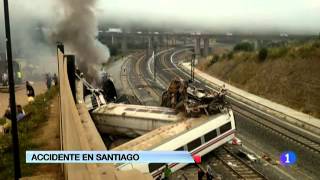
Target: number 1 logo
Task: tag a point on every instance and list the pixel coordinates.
(288, 158)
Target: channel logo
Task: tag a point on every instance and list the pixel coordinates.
(288, 158)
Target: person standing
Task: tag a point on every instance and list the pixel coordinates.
(48, 81)
(5, 79)
(167, 172)
(30, 92)
(55, 79)
(209, 173)
(20, 113)
(7, 126)
(200, 174)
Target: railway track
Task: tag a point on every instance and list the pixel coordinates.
(238, 167)
(133, 78)
(260, 119)
(149, 83)
(263, 120)
(125, 81)
(281, 131)
(167, 70)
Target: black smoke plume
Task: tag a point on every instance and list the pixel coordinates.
(78, 30)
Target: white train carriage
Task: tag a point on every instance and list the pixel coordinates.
(198, 140)
(132, 120)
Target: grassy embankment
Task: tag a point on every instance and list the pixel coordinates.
(290, 75)
(39, 110)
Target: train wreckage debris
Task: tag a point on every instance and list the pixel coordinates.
(192, 100)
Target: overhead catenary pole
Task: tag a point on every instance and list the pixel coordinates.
(193, 56)
(12, 99)
(155, 62)
(147, 49)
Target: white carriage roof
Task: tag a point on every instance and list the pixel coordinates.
(158, 136)
(139, 111)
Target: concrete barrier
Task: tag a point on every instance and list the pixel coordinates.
(78, 132)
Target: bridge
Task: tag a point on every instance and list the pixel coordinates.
(199, 40)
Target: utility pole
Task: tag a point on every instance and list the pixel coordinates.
(154, 61)
(192, 67)
(147, 49)
(14, 131)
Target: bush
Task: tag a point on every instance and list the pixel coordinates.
(2, 121)
(230, 55)
(245, 46)
(316, 45)
(214, 59)
(278, 52)
(224, 56)
(113, 50)
(263, 54)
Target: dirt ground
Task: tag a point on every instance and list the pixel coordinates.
(21, 97)
(48, 138)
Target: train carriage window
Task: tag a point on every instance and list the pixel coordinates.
(155, 166)
(171, 113)
(180, 149)
(142, 110)
(130, 109)
(210, 135)
(194, 144)
(225, 128)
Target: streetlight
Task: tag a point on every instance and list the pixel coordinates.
(14, 131)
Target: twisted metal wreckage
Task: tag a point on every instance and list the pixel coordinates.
(192, 100)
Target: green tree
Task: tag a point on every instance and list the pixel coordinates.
(230, 55)
(263, 54)
(113, 50)
(214, 59)
(244, 46)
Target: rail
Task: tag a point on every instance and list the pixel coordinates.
(237, 165)
(299, 121)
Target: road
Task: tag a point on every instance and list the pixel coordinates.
(21, 97)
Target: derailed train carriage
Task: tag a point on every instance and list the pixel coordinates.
(199, 139)
(210, 123)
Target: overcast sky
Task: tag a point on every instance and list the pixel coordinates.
(292, 16)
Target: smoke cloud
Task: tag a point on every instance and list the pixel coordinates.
(78, 30)
(36, 25)
(30, 45)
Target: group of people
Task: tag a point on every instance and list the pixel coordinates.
(51, 80)
(208, 174)
(20, 112)
(7, 115)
